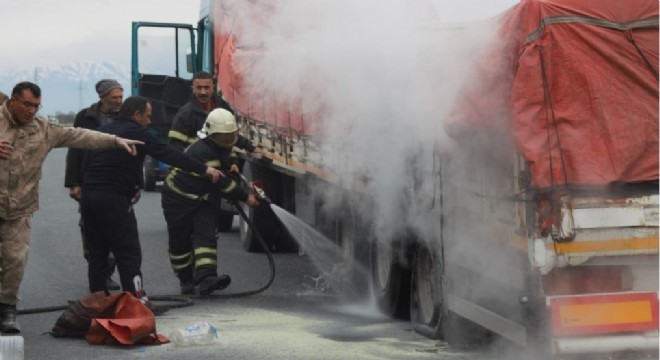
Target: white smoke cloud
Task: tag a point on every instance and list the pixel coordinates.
(379, 77)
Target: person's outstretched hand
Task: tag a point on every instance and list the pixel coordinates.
(128, 144)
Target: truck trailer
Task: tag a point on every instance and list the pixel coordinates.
(518, 202)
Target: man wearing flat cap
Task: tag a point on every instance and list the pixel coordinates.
(111, 96)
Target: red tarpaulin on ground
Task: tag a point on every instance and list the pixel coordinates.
(575, 82)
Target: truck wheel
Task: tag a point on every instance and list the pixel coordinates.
(426, 293)
(225, 222)
(148, 174)
(263, 218)
(391, 278)
(354, 246)
(265, 223)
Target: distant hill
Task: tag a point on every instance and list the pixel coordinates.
(70, 87)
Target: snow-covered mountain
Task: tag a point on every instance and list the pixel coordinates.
(70, 87)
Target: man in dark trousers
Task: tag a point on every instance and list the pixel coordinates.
(111, 95)
(110, 184)
(191, 205)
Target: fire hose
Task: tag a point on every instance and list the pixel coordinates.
(178, 301)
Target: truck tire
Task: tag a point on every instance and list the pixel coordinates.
(426, 292)
(148, 174)
(391, 278)
(225, 222)
(265, 223)
(353, 243)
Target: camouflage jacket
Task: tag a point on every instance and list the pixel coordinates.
(20, 174)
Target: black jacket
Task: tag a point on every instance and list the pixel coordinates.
(115, 170)
(209, 153)
(87, 118)
(189, 120)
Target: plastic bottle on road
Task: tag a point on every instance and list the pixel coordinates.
(11, 347)
(201, 333)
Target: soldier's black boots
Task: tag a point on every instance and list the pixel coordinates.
(8, 322)
(213, 283)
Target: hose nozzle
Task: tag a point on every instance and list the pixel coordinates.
(261, 195)
(257, 188)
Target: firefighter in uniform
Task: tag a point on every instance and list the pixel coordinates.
(191, 205)
(190, 118)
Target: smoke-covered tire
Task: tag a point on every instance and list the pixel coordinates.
(148, 174)
(390, 269)
(225, 222)
(353, 242)
(426, 292)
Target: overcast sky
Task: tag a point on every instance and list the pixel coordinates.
(42, 32)
(47, 32)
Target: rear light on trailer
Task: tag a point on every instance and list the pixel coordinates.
(587, 280)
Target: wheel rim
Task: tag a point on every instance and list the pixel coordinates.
(347, 243)
(382, 265)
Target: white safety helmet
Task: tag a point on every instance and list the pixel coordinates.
(219, 121)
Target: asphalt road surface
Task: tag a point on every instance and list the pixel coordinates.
(293, 319)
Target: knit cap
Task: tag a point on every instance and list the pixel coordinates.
(104, 86)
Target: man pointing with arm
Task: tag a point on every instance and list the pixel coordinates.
(25, 140)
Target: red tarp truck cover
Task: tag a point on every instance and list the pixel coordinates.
(575, 82)
(235, 57)
(233, 61)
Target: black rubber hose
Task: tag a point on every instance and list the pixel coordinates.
(42, 309)
(173, 302)
(183, 301)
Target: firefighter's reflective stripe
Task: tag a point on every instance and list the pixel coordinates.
(205, 251)
(173, 134)
(171, 186)
(205, 256)
(213, 163)
(176, 171)
(230, 187)
(180, 261)
(204, 261)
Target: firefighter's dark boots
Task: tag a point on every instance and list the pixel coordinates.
(8, 322)
(213, 283)
(187, 287)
